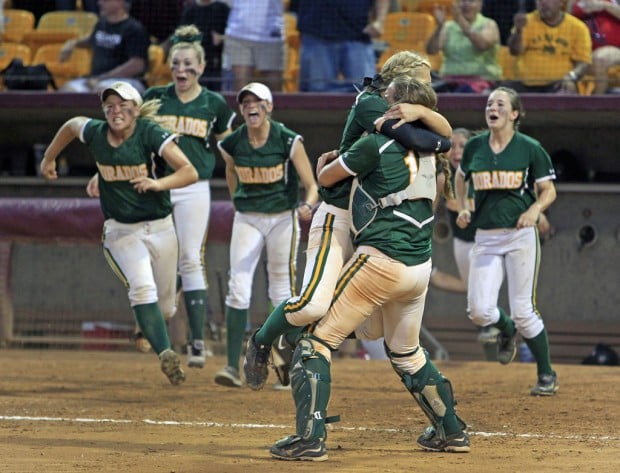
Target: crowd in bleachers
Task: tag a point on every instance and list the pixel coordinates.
(306, 45)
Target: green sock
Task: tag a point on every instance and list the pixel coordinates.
(196, 306)
(275, 325)
(235, 331)
(490, 351)
(539, 346)
(152, 324)
(505, 323)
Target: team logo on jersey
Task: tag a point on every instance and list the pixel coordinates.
(489, 180)
(189, 126)
(262, 175)
(122, 172)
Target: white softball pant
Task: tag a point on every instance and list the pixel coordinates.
(191, 209)
(279, 235)
(371, 280)
(518, 252)
(329, 246)
(144, 256)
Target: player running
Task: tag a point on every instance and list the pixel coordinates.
(512, 176)
(139, 240)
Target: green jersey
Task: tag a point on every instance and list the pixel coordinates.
(504, 183)
(367, 108)
(383, 167)
(194, 121)
(138, 156)
(267, 179)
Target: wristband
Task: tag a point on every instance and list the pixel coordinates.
(462, 212)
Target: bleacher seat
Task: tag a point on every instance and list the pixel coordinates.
(158, 72)
(77, 65)
(16, 24)
(60, 26)
(10, 51)
(405, 31)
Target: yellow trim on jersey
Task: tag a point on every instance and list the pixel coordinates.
(536, 268)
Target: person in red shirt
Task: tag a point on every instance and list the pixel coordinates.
(603, 20)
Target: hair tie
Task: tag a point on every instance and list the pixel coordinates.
(186, 38)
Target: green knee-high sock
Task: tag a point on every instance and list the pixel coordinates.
(152, 324)
(235, 331)
(196, 306)
(505, 323)
(539, 346)
(275, 325)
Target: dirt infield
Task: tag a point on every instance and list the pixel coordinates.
(77, 411)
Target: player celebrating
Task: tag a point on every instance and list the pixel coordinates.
(512, 176)
(195, 113)
(389, 271)
(264, 163)
(139, 240)
(329, 241)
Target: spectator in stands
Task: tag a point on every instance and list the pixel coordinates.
(71, 5)
(503, 13)
(120, 50)
(336, 47)
(553, 49)
(469, 43)
(211, 18)
(254, 43)
(603, 20)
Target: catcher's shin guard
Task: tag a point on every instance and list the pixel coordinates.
(433, 393)
(310, 382)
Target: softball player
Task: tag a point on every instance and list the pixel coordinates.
(195, 113)
(264, 163)
(462, 243)
(512, 176)
(329, 241)
(390, 271)
(139, 240)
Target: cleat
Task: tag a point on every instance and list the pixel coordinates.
(196, 354)
(281, 357)
(171, 366)
(547, 385)
(506, 347)
(488, 334)
(278, 386)
(142, 344)
(296, 448)
(228, 376)
(454, 443)
(255, 364)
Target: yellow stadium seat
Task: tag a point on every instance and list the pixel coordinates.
(77, 65)
(404, 29)
(59, 26)
(291, 71)
(158, 72)
(428, 6)
(16, 23)
(10, 51)
(83, 21)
